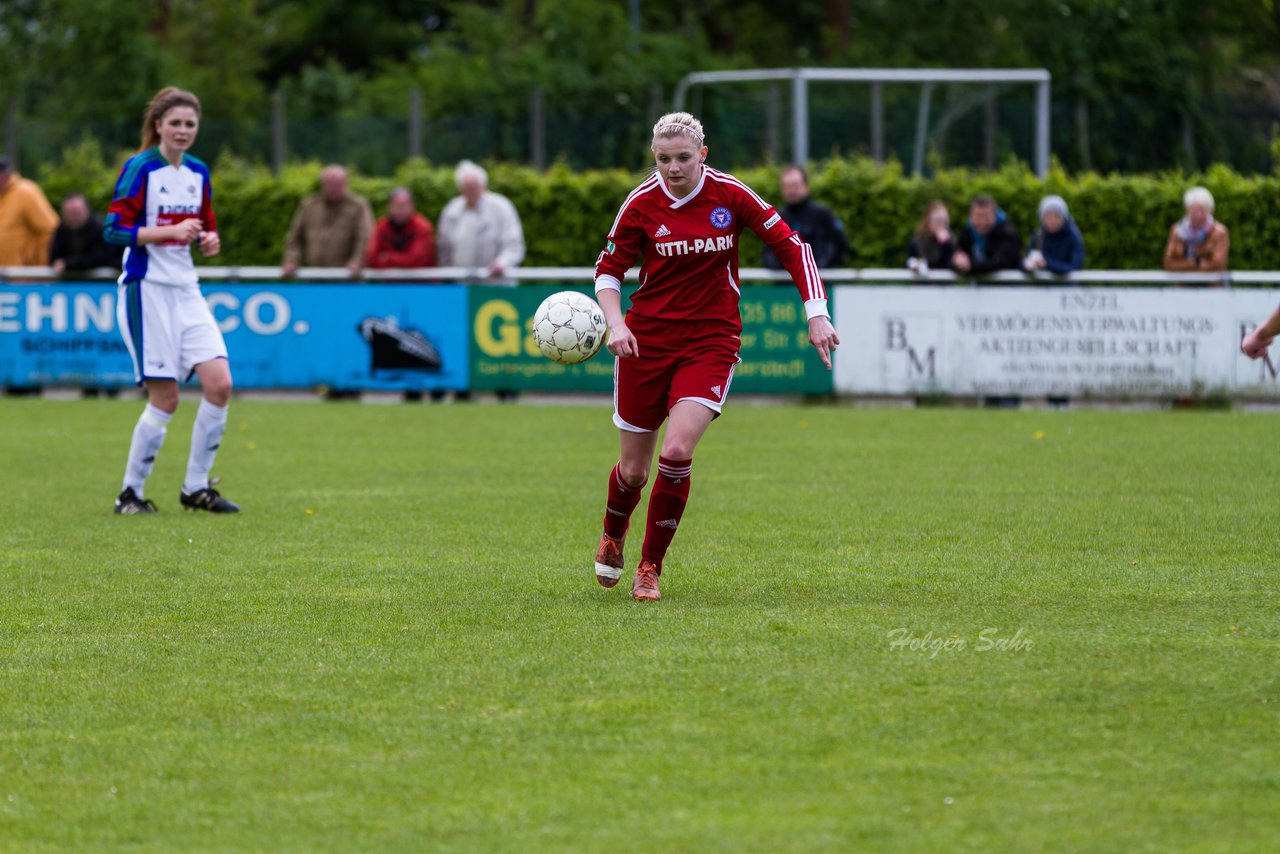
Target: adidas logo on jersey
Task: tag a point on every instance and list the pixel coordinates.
(715, 389)
(662, 231)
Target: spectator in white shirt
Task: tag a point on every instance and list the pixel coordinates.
(479, 229)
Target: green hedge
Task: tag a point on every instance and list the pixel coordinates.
(1125, 218)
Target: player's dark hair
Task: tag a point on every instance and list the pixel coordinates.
(164, 101)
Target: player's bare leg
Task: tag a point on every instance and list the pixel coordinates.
(206, 436)
(686, 424)
(626, 482)
(148, 436)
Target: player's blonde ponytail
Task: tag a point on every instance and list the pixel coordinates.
(676, 124)
(164, 101)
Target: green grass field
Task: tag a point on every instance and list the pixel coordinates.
(424, 661)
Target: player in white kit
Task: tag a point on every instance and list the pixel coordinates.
(163, 203)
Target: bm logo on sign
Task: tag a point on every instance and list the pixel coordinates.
(911, 345)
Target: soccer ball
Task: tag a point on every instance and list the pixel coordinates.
(569, 327)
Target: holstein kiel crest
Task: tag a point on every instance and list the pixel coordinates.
(721, 218)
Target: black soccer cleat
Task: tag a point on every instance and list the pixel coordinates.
(207, 499)
(128, 503)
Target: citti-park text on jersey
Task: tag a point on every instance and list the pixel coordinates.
(684, 247)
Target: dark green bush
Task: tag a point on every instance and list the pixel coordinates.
(566, 214)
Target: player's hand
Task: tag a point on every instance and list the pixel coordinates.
(210, 243)
(822, 335)
(1255, 344)
(186, 231)
(621, 342)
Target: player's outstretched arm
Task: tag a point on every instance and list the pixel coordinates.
(1255, 344)
(822, 335)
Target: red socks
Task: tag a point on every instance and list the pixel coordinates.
(622, 503)
(666, 506)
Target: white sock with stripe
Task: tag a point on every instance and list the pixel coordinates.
(148, 436)
(206, 436)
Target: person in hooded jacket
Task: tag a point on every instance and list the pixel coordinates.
(988, 242)
(1057, 245)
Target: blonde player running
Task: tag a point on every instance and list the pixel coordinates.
(677, 345)
(164, 203)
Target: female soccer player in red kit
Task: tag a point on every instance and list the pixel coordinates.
(677, 346)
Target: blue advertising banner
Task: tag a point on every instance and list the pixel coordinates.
(279, 335)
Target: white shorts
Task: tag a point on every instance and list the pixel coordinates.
(168, 330)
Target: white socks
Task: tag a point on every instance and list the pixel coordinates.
(206, 436)
(148, 436)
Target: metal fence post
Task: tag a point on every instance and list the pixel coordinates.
(277, 132)
(989, 129)
(800, 119)
(415, 123)
(922, 129)
(773, 118)
(1042, 128)
(877, 122)
(537, 129)
(11, 131)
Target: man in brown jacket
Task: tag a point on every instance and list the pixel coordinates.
(1197, 242)
(330, 229)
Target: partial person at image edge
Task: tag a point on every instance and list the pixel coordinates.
(27, 220)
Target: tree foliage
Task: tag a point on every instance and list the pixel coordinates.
(1138, 83)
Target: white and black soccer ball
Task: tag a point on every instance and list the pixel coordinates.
(569, 327)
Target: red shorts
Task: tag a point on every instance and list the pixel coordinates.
(645, 387)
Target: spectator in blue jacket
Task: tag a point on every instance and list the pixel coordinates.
(1057, 245)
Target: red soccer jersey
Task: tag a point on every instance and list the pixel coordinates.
(689, 250)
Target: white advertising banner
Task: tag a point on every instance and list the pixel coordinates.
(1057, 341)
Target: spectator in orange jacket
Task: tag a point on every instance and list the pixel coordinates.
(403, 238)
(1197, 242)
(27, 220)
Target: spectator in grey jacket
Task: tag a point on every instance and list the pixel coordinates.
(479, 229)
